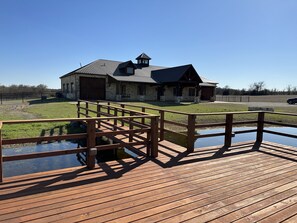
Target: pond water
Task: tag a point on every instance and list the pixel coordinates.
(219, 140)
(20, 167)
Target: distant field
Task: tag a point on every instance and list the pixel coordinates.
(53, 108)
(262, 98)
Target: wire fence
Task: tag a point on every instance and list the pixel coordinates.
(24, 96)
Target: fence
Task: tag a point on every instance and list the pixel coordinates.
(150, 141)
(255, 98)
(24, 96)
(256, 118)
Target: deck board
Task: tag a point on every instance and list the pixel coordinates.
(246, 183)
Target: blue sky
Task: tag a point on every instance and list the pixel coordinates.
(235, 42)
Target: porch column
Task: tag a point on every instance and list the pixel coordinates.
(179, 93)
(197, 94)
(118, 91)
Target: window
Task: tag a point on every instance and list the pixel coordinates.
(191, 91)
(71, 87)
(130, 70)
(64, 88)
(67, 88)
(141, 89)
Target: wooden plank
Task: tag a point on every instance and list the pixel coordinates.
(228, 130)
(154, 137)
(91, 199)
(91, 143)
(43, 154)
(280, 133)
(121, 192)
(120, 132)
(191, 133)
(96, 193)
(1, 155)
(162, 121)
(260, 126)
(44, 138)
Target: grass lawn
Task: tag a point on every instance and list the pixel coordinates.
(54, 108)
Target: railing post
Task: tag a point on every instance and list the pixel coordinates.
(91, 144)
(87, 109)
(130, 128)
(154, 137)
(191, 133)
(1, 158)
(161, 125)
(78, 109)
(123, 113)
(108, 108)
(98, 112)
(143, 119)
(228, 130)
(260, 126)
(115, 121)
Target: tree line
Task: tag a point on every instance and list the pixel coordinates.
(256, 88)
(25, 91)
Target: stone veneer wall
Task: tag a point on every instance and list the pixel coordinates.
(69, 80)
(131, 90)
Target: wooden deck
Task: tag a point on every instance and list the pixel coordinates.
(244, 184)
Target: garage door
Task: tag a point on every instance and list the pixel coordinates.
(92, 88)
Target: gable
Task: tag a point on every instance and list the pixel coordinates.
(185, 73)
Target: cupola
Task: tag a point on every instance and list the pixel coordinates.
(143, 60)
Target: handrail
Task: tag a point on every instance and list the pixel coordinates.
(75, 119)
(150, 141)
(191, 124)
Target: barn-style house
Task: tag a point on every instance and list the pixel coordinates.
(140, 81)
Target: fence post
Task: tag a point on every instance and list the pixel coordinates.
(91, 143)
(161, 125)
(1, 158)
(228, 130)
(98, 112)
(143, 119)
(108, 108)
(123, 113)
(78, 109)
(115, 121)
(191, 133)
(260, 126)
(130, 128)
(154, 137)
(87, 109)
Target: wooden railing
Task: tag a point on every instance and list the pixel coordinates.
(150, 140)
(192, 123)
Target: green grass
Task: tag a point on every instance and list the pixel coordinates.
(37, 110)
(53, 108)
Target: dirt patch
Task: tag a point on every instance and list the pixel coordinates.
(15, 111)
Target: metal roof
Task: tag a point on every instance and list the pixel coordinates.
(143, 56)
(150, 74)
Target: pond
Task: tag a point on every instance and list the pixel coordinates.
(20, 167)
(219, 140)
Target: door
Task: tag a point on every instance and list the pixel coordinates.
(92, 88)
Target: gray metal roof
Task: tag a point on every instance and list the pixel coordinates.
(143, 56)
(150, 74)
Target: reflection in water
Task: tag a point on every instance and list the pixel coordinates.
(213, 141)
(20, 167)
